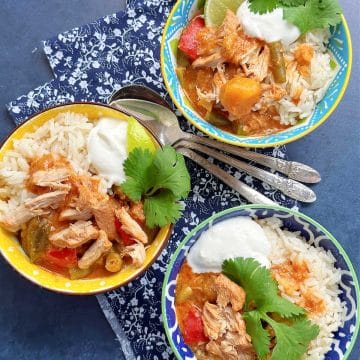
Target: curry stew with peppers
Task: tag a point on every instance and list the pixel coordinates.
(237, 82)
(201, 302)
(73, 228)
(209, 309)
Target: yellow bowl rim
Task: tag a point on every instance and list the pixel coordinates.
(65, 291)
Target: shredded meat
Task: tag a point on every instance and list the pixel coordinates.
(213, 320)
(224, 325)
(258, 66)
(236, 47)
(70, 214)
(136, 252)
(105, 217)
(130, 226)
(49, 200)
(229, 293)
(212, 60)
(227, 333)
(100, 247)
(52, 178)
(136, 211)
(75, 235)
(13, 220)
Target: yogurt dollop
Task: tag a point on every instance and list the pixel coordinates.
(270, 26)
(235, 237)
(107, 149)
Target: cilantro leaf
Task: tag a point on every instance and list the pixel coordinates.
(292, 330)
(259, 286)
(161, 179)
(169, 172)
(315, 14)
(263, 6)
(260, 338)
(292, 340)
(288, 3)
(162, 209)
(136, 168)
(305, 14)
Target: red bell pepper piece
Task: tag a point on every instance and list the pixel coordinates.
(194, 328)
(125, 237)
(188, 42)
(64, 258)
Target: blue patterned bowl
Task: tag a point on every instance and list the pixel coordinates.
(340, 47)
(314, 234)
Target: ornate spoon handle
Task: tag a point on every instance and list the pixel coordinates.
(292, 169)
(244, 190)
(289, 187)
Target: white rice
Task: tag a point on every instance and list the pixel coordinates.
(314, 86)
(65, 135)
(324, 279)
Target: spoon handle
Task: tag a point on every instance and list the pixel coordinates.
(292, 169)
(289, 187)
(244, 190)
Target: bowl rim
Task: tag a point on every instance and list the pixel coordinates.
(239, 143)
(137, 274)
(259, 206)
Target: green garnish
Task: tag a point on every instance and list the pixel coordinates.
(333, 64)
(292, 330)
(161, 179)
(305, 14)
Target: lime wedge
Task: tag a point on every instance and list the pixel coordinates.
(138, 137)
(215, 10)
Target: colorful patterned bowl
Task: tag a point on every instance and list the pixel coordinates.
(314, 234)
(340, 46)
(12, 251)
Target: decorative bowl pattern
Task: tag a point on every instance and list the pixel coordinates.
(314, 234)
(340, 47)
(12, 251)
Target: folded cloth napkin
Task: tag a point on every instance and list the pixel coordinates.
(89, 63)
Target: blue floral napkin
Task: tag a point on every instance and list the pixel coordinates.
(89, 63)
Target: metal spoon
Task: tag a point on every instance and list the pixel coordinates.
(173, 133)
(158, 121)
(250, 194)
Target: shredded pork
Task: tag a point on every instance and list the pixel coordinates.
(130, 226)
(75, 235)
(224, 325)
(100, 247)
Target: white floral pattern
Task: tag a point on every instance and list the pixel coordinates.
(89, 63)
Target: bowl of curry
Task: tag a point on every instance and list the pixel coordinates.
(65, 226)
(218, 298)
(244, 90)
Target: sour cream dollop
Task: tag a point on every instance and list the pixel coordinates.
(270, 26)
(107, 149)
(235, 237)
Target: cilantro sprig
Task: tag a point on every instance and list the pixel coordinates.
(292, 329)
(160, 179)
(305, 14)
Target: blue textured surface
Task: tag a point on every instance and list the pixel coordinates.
(40, 325)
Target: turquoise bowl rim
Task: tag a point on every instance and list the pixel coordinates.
(252, 142)
(254, 206)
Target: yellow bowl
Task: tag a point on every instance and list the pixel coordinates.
(12, 251)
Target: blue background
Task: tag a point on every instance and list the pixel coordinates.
(37, 324)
